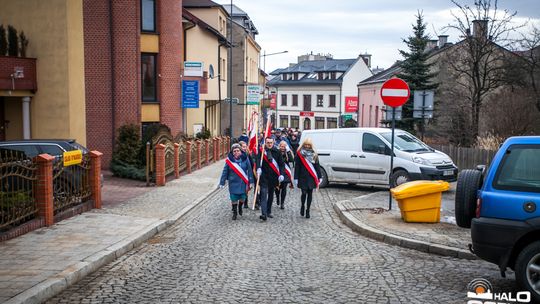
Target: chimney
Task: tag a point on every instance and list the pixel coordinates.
(480, 29)
(431, 44)
(443, 39)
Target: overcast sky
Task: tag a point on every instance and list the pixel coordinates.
(347, 28)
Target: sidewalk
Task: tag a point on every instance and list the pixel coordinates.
(368, 216)
(42, 263)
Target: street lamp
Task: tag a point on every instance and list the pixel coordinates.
(264, 57)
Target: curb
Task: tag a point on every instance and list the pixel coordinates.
(355, 224)
(74, 273)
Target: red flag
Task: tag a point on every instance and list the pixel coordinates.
(252, 145)
(268, 129)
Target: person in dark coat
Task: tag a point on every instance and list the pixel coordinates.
(294, 142)
(238, 173)
(270, 176)
(307, 173)
(288, 160)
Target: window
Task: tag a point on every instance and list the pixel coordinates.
(307, 102)
(148, 15)
(331, 122)
(283, 121)
(319, 122)
(519, 169)
(373, 144)
(332, 103)
(51, 149)
(295, 121)
(332, 75)
(148, 77)
(295, 77)
(295, 100)
(319, 100)
(283, 99)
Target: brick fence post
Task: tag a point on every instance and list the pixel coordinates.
(198, 143)
(176, 160)
(228, 143)
(188, 156)
(223, 144)
(207, 142)
(160, 165)
(44, 188)
(95, 177)
(215, 149)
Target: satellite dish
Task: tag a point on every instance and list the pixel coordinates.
(211, 72)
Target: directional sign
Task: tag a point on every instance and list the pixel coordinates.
(190, 94)
(395, 92)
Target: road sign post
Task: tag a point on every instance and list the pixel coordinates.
(394, 93)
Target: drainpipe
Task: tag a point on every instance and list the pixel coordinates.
(113, 81)
(26, 117)
(219, 82)
(340, 103)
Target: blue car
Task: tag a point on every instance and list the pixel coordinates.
(501, 206)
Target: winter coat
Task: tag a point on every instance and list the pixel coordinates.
(268, 176)
(236, 184)
(288, 158)
(305, 180)
(294, 144)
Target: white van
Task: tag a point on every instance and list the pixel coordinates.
(362, 156)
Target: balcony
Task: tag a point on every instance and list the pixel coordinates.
(17, 74)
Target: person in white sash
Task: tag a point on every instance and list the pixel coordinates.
(270, 175)
(238, 173)
(307, 174)
(281, 190)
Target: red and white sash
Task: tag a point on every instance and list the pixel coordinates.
(309, 167)
(238, 170)
(288, 172)
(273, 164)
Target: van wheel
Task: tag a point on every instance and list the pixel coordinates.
(324, 178)
(399, 177)
(528, 270)
(468, 183)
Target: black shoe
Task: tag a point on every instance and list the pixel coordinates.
(302, 210)
(240, 210)
(263, 217)
(245, 206)
(307, 214)
(277, 203)
(270, 216)
(281, 207)
(235, 212)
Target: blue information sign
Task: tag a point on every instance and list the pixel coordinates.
(190, 94)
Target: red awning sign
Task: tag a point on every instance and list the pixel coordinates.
(307, 114)
(395, 92)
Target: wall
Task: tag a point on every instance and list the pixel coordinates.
(356, 73)
(54, 32)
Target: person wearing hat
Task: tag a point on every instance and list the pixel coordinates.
(238, 173)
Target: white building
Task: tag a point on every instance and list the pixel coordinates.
(314, 94)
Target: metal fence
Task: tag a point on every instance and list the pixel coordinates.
(182, 156)
(18, 175)
(467, 158)
(193, 155)
(71, 184)
(211, 150)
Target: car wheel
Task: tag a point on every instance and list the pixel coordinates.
(324, 178)
(399, 177)
(528, 270)
(468, 183)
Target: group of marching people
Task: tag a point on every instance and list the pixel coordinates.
(269, 167)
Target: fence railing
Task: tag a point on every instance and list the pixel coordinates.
(467, 158)
(39, 191)
(18, 174)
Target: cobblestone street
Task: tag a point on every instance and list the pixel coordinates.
(208, 258)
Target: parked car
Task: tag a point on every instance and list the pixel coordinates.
(362, 156)
(500, 205)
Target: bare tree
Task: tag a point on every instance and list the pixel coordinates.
(525, 71)
(477, 62)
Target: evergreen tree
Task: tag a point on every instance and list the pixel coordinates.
(415, 71)
(13, 40)
(3, 41)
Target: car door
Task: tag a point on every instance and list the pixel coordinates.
(374, 161)
(344, 155)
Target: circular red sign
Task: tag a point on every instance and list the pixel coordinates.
(395, 92)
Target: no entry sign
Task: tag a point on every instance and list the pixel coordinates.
(395, 92)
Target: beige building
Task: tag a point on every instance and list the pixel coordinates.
(55, 110)
(205, 41)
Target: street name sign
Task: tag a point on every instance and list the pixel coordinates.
(395, 92)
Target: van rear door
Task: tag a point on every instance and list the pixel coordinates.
(345, 156)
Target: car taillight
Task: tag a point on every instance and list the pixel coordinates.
(478, 207)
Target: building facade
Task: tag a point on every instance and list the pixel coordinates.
(213, 57)
(318, 94)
